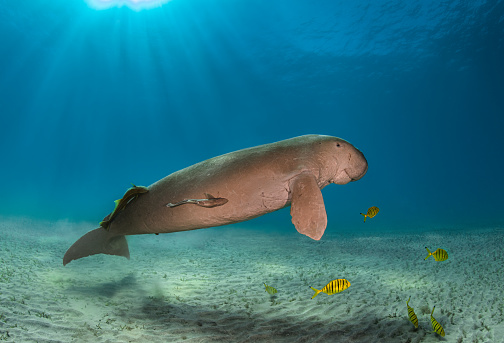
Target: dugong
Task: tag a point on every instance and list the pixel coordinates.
(232, 188)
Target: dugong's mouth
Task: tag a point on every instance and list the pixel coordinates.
(342, 178)
(348, 175)
(359, 176)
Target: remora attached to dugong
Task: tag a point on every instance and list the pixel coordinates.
(232, 188)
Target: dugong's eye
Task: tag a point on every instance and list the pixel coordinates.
(338, 145)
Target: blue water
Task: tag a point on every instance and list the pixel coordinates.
(93, 100)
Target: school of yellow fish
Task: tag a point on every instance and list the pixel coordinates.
(339, 285)
(333, 287)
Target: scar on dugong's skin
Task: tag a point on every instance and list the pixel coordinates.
(244, 184)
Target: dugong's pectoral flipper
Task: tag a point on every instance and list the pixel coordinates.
(307, 206)
(98, 241)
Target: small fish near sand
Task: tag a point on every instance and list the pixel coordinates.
(435, 325)
(371, 212)
(439, 255)
(333, 287)
(269, 289)
(411, 314)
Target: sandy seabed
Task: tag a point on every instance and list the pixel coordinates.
(207, 286)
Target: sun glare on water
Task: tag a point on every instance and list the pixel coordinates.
(136, 5)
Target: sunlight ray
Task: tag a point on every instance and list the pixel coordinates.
(136, 5)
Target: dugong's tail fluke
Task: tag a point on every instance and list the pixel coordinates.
(98, 241)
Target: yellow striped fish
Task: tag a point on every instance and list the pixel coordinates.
(439, 255)
(412, 316)
(371, 212)
(130, 195)
(333, 287)
(270, 289)
(435, 325)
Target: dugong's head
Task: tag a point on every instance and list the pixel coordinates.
(346, 162)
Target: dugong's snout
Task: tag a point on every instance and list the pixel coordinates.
(357, 165)
(354, 166)
(351, 163)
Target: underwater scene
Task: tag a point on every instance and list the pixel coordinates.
(252, 171)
